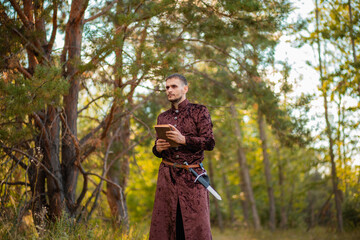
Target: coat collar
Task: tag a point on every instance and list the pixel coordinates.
(182, 105)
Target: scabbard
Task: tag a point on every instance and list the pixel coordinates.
(205, 183)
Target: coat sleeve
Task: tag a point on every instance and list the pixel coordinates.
(205, 139)
(155, 152)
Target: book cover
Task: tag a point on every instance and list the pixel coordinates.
(161, 133)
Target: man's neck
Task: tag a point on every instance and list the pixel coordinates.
(176, 105)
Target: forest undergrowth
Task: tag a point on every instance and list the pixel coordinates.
(104, 230)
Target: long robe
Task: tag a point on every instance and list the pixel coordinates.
(176, 185)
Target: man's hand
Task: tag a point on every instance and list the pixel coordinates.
(162, 145)
(176, 135)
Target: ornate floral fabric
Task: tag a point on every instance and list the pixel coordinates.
(175, 184)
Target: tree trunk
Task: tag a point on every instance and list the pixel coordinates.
(217, 208)
(37, 184)
(283, 215)
(334, 178)
(291, 202)
(227, 192)
(245, 171)
(71, 57)
(311, 210)
(267, 169)
(54, 186)
(352, 32)
(119, 173)
(45, 173)
(244, 196)
(352, 38)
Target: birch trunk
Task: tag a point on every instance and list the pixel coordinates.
(283, 215)
(334, 178)
(245, 171)
(267, 169)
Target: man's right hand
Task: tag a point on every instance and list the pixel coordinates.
(162, 145)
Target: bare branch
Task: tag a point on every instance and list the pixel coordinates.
(85, 184)
(93, 100)
(35, 48)
(43, 129)
(102, 12)
(21, 14)
(89, 93)
(90, 135)
(104, 179)
(77, 162)
(17, 183)
(6, 162)
(14, 158)
(23, 71)
(77, 11)
(55, 25)
(37, 161)
(85, 4)
(10, 171)
(104, 172)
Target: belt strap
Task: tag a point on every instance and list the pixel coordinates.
(176, 165)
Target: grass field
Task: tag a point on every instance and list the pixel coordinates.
(98, 229)
(292, 234)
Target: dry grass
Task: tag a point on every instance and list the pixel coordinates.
(98, 229)
(292, 234)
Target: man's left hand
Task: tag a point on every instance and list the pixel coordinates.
(176, 135)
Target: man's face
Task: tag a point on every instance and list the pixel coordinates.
(175, 90)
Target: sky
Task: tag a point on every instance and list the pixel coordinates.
(306, 77)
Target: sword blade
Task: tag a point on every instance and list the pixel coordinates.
(213, 192)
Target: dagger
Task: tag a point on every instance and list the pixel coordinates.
(204, 182)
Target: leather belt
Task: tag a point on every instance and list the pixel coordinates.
(176, 165)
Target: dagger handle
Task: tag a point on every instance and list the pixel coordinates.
(200, 179)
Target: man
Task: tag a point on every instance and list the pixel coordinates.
(181, 208)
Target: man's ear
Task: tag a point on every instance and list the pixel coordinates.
(186, 88)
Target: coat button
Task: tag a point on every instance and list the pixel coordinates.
(174, 125)
(176, 111)
(177, 156)
(177, 148)
(175, 118)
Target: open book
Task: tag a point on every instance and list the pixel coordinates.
(161, 133)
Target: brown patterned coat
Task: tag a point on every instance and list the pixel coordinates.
(175, 184)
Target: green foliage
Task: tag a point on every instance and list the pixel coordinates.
(351, 213)
(20, 97)
(142, 184)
